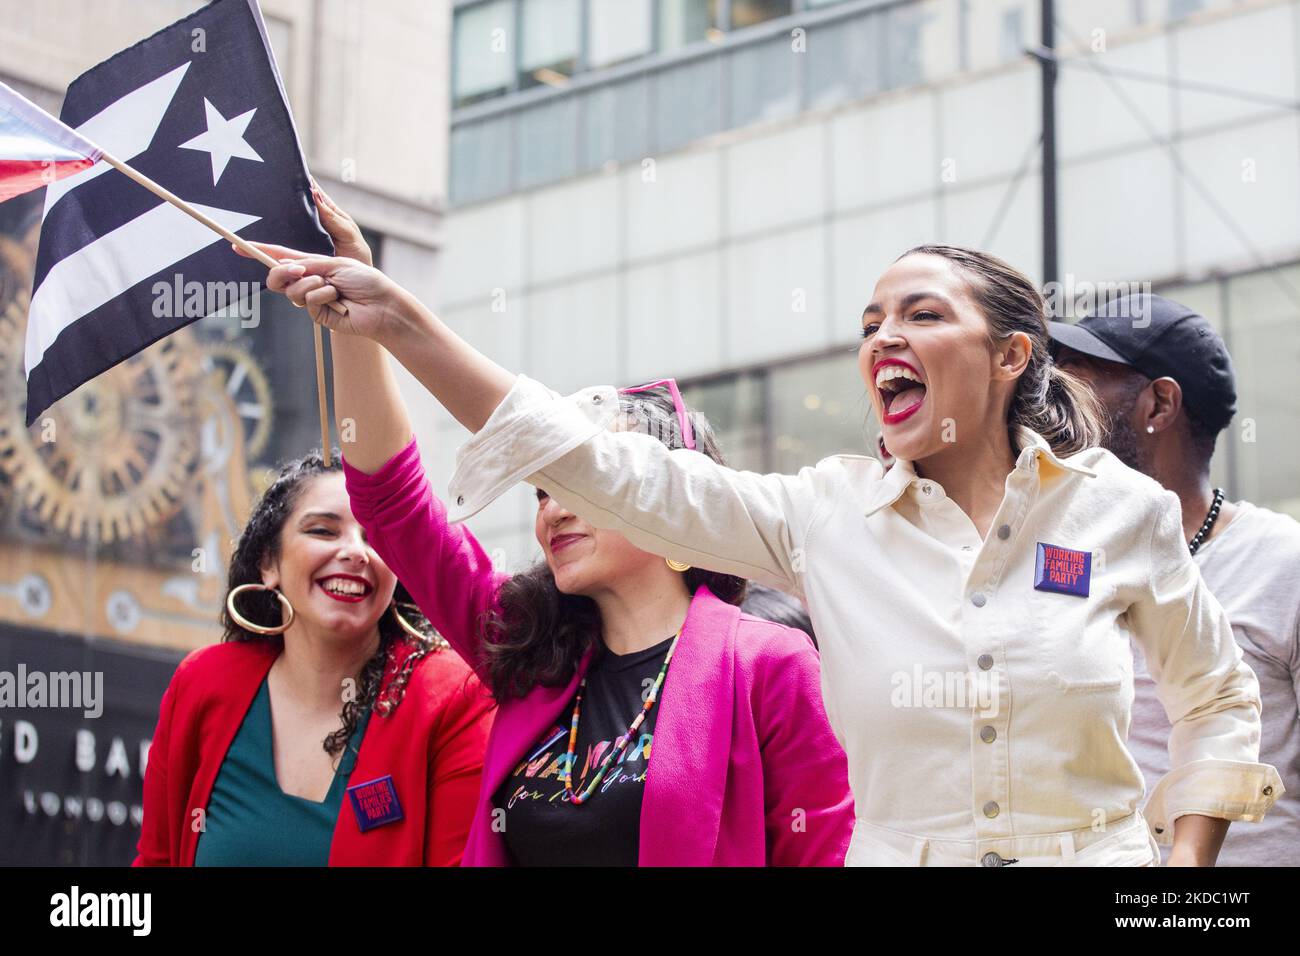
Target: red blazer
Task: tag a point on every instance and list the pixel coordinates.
(432, 744)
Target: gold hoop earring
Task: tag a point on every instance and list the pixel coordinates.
(439, 642)
(285, 607)
(676, 565)
(406, 625)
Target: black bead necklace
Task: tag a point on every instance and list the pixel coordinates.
(1199, 538)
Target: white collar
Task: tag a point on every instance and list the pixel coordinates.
(1033, 448)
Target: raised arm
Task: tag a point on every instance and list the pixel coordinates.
(445, 569)
(679, 504)
(673, 502)
(368, 408)
(467, 383)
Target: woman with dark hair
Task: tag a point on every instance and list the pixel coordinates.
(599, 656)
(326, 728)
(1002, 557)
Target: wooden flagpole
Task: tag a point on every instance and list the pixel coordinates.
(266, 260)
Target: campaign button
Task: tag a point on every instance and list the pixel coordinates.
(375, 802)
(1062, 570)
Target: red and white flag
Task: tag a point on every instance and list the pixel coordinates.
(35, 148)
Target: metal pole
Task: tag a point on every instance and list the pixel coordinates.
(1048, 63)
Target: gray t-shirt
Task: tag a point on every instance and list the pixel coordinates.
(1252, 567)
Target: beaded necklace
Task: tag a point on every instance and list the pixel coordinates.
(1199, 538)
(620, 745)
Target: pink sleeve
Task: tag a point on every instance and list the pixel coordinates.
(808, 805)
(443, 566)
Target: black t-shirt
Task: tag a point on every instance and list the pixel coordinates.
(542, 828)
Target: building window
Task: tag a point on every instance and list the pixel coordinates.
(617, 30)
(1012, 40)
(845, 61)
(484, 53)
(734, 406)
(687, 103)
(764, 84)
(788, 416)
(921, 43)
(819, 407)
(666, 102)
(993, 32)
(682, 22)
(1263, 336)
(1257, 315)
(480, 160)
(746, 13)
(1184, 8)
(550, 40)
(614, 123)
(546, 142)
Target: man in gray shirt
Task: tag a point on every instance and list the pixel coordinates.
(1166, 381)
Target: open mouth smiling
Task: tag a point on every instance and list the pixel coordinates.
(902, 389)
(346, 587)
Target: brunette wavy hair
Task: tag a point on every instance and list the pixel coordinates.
(539, 634)
(261, 541)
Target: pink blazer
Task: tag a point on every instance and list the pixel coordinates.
(746, 770)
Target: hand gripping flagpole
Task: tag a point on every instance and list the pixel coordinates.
(262, 257)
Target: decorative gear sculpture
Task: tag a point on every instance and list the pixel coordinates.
(114, 457)
(249, 389)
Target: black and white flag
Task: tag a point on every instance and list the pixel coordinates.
(200, 109)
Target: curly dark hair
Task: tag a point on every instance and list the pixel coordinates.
(538, 634)
(398, 651)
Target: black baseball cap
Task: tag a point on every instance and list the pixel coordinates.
(1159, 337)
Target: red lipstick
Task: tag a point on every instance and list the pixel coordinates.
(563, 541)
(902, 415)
(367, 587)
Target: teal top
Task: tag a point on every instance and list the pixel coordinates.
(252, 822)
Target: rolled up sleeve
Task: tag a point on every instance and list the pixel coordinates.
(1209, 693)
(673, 502)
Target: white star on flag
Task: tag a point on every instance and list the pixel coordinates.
(224, 139)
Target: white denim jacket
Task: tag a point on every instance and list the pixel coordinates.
(984, 720)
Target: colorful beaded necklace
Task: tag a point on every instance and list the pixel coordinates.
(620, 745)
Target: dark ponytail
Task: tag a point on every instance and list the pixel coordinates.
(1062, 409)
